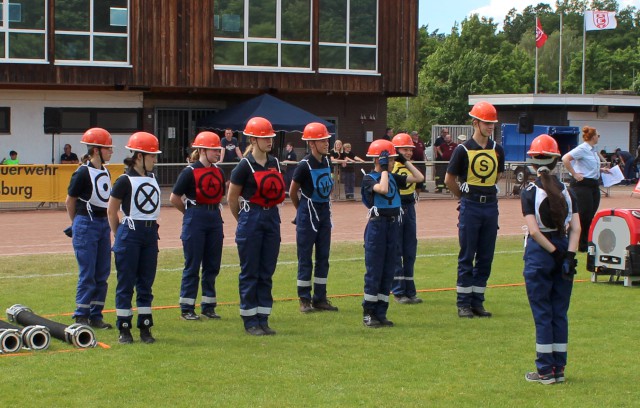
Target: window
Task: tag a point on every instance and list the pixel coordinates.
(263, 34)
(5, 120)
(349, 36)
(92, 31)
(22, 31)
(77, 120)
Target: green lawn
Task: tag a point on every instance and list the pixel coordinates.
(431, 357)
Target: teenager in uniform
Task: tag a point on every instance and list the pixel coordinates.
(202, 185)
(478, 163)
(404, 287)
(380, 194)
(135, 247)
(313, 218)
(256, 188)
(549, 259)
(86, 203)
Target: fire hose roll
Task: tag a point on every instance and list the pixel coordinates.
(10, 340)
(31, 337)
(79, 335)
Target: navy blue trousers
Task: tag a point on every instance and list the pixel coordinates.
(92, 247)
(380, 258)
(258, 241)
(307, 239)
(403, 283)
(549, 297)
(136, 254)
(477, 232)
(202, 237)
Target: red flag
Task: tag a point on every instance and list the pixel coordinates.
(541, 37)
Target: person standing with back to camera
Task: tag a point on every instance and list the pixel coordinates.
(136, 236)
(549, 259)
(256, 188)
(478, 163)
(313, 218)
(202, 185)
(404, 286)
(583, 162)
(87, 198)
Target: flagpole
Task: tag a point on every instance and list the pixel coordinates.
(584, 40)
(560, 59)
(535, 81)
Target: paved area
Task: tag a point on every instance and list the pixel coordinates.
(40, 231)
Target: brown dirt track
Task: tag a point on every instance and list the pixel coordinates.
(40, 231)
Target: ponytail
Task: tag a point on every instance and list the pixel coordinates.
(195, 156)
(248, 150)
(557, 203)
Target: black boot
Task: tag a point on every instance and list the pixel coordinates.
(125, 336)
(370, 320)
(145, 335)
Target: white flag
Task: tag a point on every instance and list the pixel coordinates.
(599, 20)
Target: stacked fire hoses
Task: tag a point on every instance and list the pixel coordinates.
(32, 337)
(80, 335)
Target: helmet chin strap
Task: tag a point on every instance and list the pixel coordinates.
(100, 154)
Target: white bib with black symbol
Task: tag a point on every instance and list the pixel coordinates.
(100, 187)
(145, 198)
(543, 212)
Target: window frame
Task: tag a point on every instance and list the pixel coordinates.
(5, 28)
(92, 34)
(6, 129)
(93, 119)
(347, 45)
(245, 40)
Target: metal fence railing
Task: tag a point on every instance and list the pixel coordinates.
(347, 181)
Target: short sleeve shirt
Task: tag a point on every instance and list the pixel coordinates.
(368, 183)
(229, 147)
(302, 174)
(459, 164)
(243, 176)
(586, 160)
(80, 187)
(186, 183)
(122, 190)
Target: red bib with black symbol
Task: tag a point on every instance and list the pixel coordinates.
(270, 189)
(209, 185)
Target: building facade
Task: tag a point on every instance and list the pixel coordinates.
(161, 65)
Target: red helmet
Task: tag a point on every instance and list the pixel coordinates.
(143, 142)
(206, 140)
(97, 137)
(403, 140)
(378, 146)
(484, 111)
(315, 131)
(544, 145)
(259, 127)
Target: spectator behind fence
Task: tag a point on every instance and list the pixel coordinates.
(348, 176)
(627, 166)
(445, 149)
(12, 160)
(290, 160)
(68, 157)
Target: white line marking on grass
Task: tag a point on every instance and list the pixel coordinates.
(58, 275)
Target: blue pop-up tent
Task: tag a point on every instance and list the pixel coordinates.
(282, 115)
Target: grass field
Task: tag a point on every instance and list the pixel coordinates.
(431, 357)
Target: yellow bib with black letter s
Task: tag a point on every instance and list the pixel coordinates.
(483, 167)
(402, 170)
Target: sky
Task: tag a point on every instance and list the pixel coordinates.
(442, 15)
